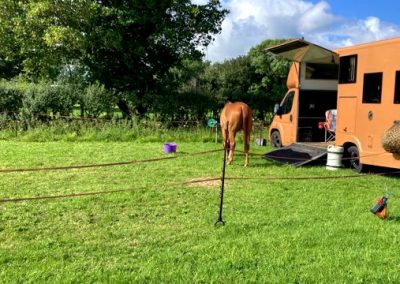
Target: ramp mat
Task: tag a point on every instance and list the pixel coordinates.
(297, 154)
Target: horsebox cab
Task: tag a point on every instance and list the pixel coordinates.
(348, 97)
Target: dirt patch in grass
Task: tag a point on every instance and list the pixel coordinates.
(206, 182)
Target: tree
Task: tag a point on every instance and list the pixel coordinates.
(269, 85)
(124, 44)
(10, 60)
(230, 80)
(184, 96)
(259, 79)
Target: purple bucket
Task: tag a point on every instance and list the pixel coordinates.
(169, 147)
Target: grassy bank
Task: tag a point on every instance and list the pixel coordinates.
(155, 229)
(106, 131)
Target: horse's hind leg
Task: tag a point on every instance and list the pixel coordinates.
(232, 145)
(224, 138)
(247, 126)
(246, 141)
(246, 151)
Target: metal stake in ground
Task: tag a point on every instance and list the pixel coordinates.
(221, 194)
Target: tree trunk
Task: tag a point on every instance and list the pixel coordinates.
(123, 106)
(140, 110)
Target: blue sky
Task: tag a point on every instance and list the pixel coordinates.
(329, 23)
(386, 10)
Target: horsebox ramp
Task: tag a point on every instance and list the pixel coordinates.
(299, 154)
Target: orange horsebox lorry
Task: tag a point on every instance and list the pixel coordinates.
(356, 90)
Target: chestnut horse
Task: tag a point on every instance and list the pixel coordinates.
(236, 116)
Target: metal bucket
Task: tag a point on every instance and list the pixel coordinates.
(334, 157)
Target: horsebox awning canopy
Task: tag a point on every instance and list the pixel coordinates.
(300, 50)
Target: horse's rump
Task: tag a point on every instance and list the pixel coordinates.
(237, 116)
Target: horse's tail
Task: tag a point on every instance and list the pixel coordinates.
(247, 119)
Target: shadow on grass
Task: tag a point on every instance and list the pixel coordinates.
(387, 172)
(263, 164)
(393, 219)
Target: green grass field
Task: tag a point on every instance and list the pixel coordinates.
(153, 229)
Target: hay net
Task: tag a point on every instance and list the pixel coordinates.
(391, 138)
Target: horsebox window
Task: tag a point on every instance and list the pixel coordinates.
(372, 89)
(397, 88)
(321, 71)
(347, 69)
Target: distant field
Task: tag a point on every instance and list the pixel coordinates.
(144, 226)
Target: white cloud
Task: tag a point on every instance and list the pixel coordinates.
(199, 2)
(367, 30)
(316, 18)
(252, 21)
(355, 32)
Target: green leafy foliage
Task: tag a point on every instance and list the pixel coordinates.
(125, 45)
(230, 80)
(96, 99)
(259, 79)
(146, 53)
(10, 98)
(43, 98)
(182, 94)
(270, 72)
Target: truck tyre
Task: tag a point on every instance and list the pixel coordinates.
(353, 156)
(276, 140)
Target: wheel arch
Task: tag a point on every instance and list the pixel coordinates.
(272, 131)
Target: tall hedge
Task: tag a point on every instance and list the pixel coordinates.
(10, 98)
(43, 98)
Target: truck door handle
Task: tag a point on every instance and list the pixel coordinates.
(370, 115)
(290, 118)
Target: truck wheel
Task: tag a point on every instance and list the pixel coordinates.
(276, 139)
(353, 156)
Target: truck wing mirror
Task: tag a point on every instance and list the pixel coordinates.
(277, 109)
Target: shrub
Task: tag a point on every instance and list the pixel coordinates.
(10, 97)
(97, 99)
(42, 98)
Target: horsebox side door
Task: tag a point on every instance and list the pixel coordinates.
(287, 117)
